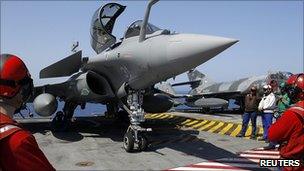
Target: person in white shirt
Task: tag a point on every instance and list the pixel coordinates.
(267, 106)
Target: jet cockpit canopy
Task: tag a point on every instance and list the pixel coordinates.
(102, 26)
(134, 29)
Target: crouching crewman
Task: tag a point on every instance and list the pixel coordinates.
(288, 130)
(18, 147)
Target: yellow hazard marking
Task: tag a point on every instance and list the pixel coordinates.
(160, 115)
(154, 115)
(191, 123)
(163, 117)
(216, 127)
(207, 125)
(199, 124)
(188, 120)
(236, 130)
(261, 131)
(248, 132)
(172, 116)
(226, 128)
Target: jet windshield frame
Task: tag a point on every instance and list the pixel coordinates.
(102, 25)
(134, 29)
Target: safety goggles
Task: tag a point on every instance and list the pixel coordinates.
(26, 85)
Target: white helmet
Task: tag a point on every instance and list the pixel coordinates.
(267, 86)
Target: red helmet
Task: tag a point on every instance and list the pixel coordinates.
(295, 85)
(14, 77)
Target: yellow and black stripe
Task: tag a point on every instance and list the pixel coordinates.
(212, 126)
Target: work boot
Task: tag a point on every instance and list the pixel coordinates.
(240, 135)
(261, 139)
(253, 137)
(269, 147)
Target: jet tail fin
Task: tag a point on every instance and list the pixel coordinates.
(64, 67)
(195, 75)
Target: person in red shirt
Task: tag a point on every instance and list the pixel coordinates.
(288, 130)
(18, 147)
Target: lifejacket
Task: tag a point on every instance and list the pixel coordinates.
(7, 126)
(299, 111)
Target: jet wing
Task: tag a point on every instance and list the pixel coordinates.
(65, 67)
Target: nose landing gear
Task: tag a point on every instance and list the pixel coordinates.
(135, 133)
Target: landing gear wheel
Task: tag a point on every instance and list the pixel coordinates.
(60, 122)
(143, 143)
(128, 141)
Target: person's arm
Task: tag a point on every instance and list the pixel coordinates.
(286, 101)
(282, 128)
(29, 156)
(261, 104)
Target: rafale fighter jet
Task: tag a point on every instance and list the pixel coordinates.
(123, 73)
(205, 88)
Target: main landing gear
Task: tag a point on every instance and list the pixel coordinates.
(135, 133)
(62, 119)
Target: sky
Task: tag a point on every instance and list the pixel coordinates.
(270, 32)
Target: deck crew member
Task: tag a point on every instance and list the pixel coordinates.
(18, 147)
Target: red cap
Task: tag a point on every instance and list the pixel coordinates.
(12, 71)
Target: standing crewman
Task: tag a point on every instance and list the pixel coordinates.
(18, 147)
(288, 130)
(267, 106)
(251, 106)
(283, 101)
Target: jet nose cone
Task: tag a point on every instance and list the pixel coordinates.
(197, 49)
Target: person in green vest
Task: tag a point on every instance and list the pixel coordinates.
(283, 101)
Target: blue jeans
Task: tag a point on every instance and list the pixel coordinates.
(266, 121)
(253, 117)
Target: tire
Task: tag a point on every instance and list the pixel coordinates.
(143, 143)
(128, 142)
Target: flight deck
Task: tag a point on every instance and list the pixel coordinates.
(179, 141)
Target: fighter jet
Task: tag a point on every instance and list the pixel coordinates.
(123, 73)
(203, 87)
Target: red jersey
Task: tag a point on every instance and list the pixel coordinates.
(19, 149)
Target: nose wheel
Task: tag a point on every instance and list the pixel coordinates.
(130, 142)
